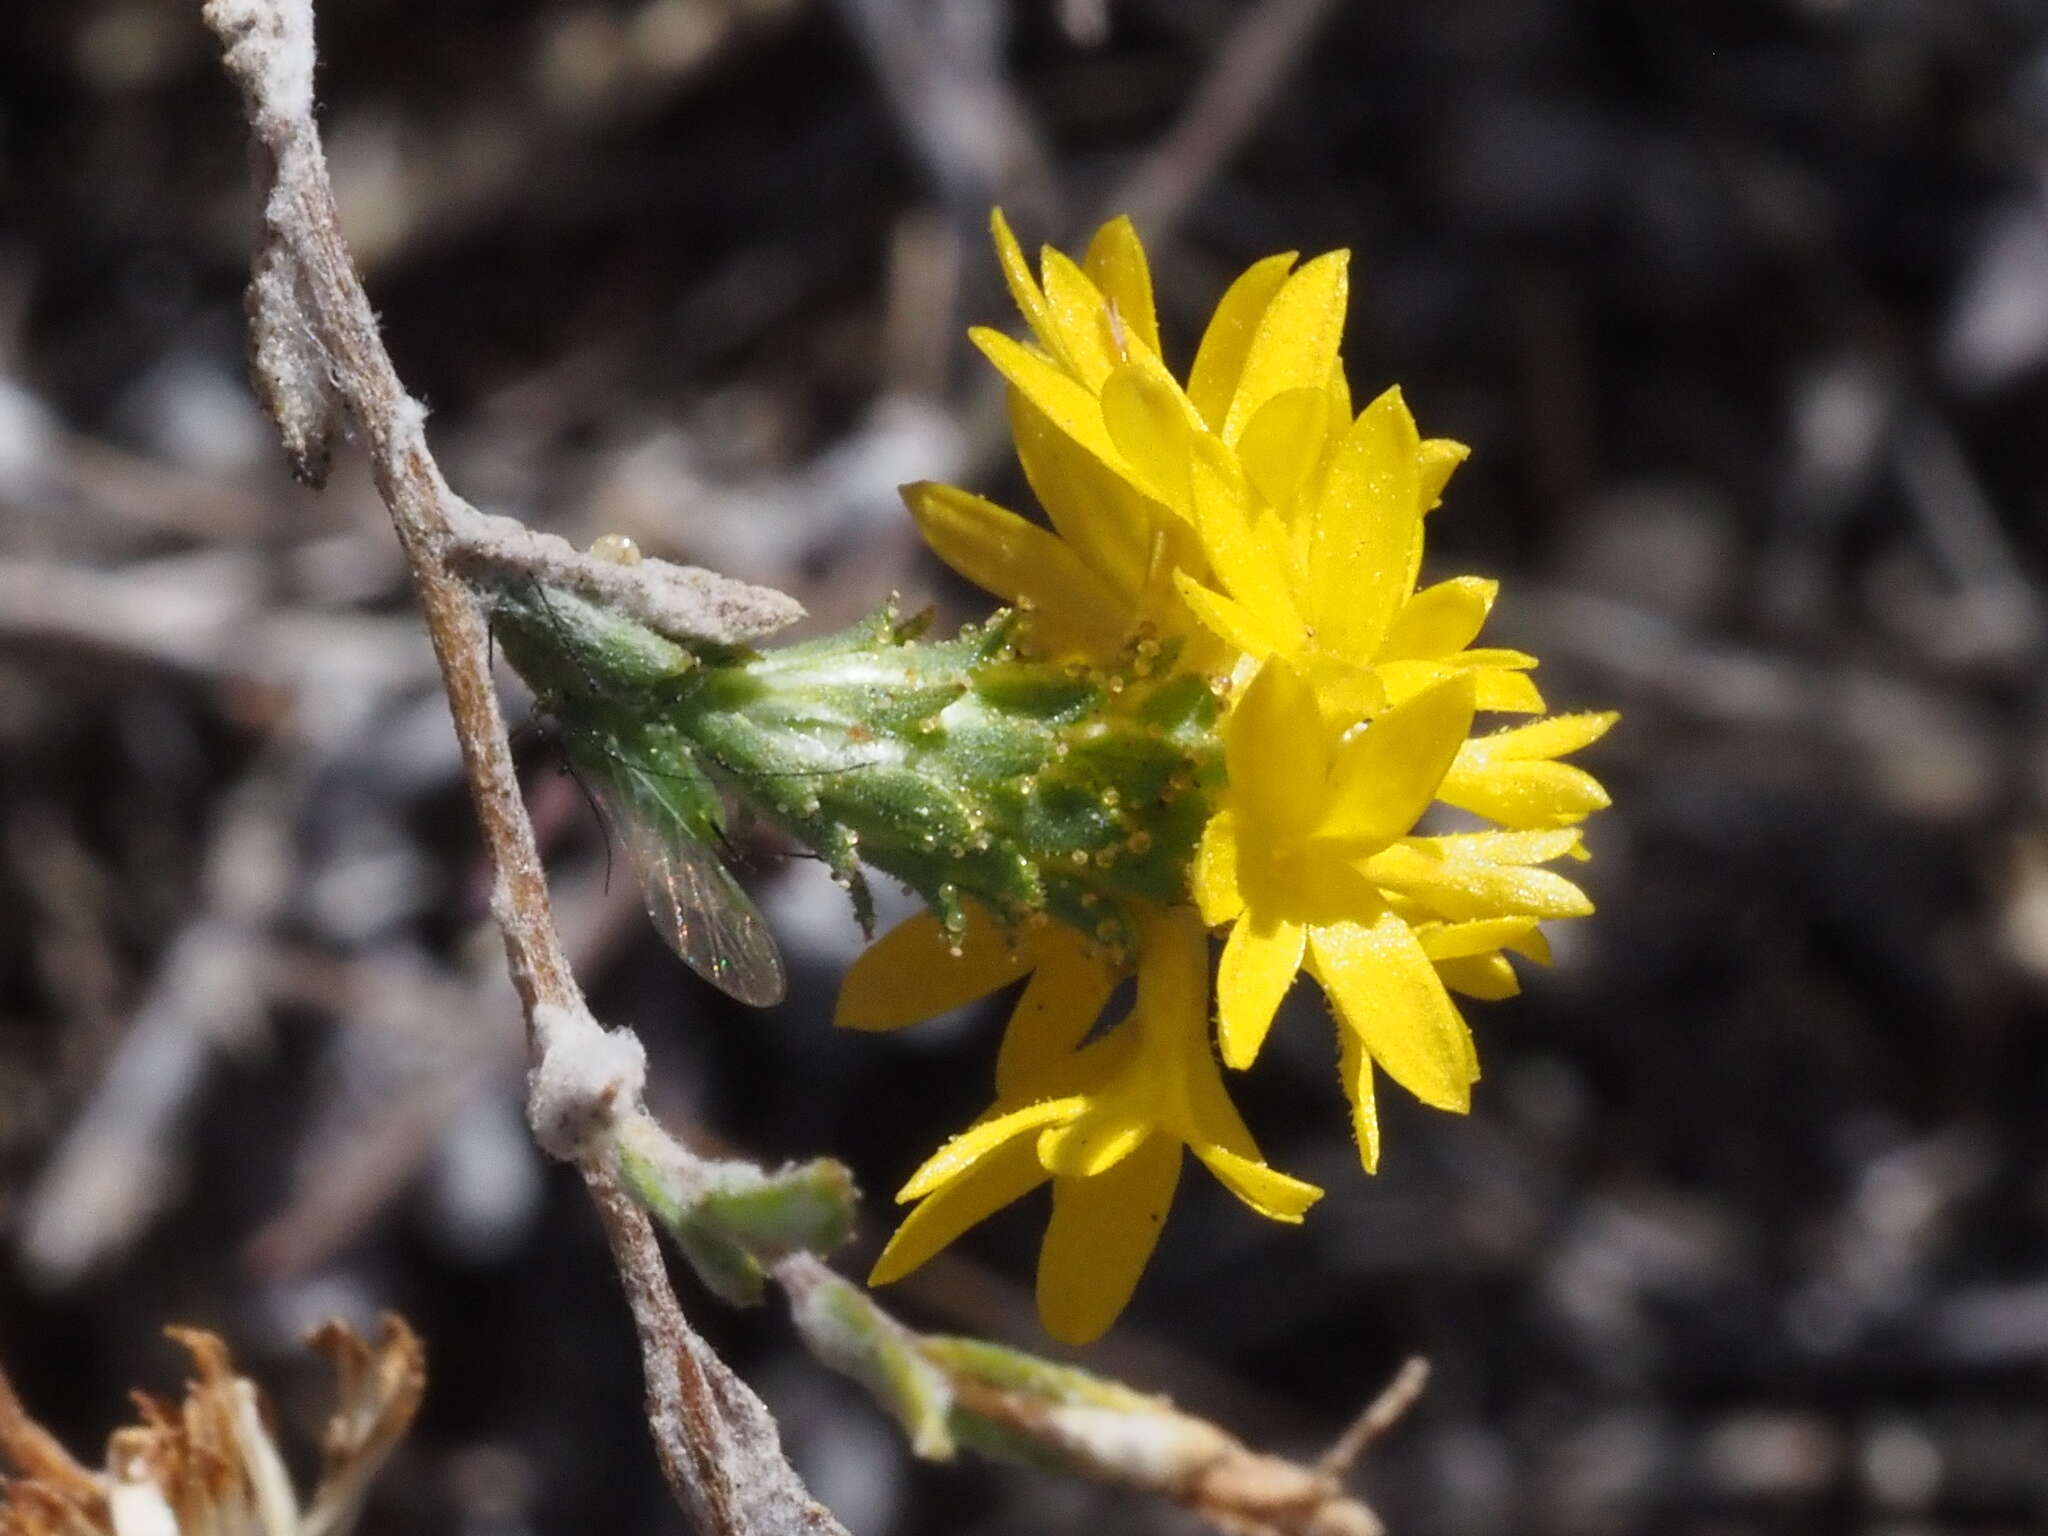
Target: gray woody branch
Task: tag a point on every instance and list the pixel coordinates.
(319, 365)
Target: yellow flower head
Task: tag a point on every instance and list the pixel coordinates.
(1312, 861)
(1247, 527)
(1105, 1123)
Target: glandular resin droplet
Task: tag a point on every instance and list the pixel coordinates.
(615, 549)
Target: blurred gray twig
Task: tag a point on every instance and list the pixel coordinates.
(1231, 100)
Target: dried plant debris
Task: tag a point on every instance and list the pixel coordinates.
(210, 1463)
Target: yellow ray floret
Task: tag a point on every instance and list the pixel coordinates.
(1313, 864)
(1105, 1124)
(1514, 776)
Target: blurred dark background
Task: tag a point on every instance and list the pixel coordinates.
(1743, 306)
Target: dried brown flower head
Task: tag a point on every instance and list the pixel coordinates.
(209, 1464)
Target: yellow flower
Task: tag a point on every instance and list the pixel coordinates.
(1312, 862)
(1105, 1123)
(1258, 532)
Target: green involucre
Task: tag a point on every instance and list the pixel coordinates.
(961, 767)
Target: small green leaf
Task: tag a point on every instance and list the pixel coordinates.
(732, 1219)
(851, 1334)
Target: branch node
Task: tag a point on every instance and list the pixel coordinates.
(583, 1077)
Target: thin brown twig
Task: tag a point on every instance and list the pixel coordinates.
(1377, 1417)
(734, 1455)
(318, 362)
(1103, 1430)
(316, 354)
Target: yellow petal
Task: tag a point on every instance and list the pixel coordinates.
(1176, 556)
(1466, 890)
(1073, 610)
(1385, 776)
(1354, 1070)
(1215, 873)
(1525, 794)
(1340, 396)
(1080, 318)
(1092, 506)
(1271, 534)
(1387, 993)
(1529, 847)
(1172, 1012)
(1440, 621)
(1017, 275)
(1211, 1118)
(1102, 1232)
(1173, 964)
(1066, 995)
(1251, 560)
(1067, 403)
(1258, 966)
(1147, 420)
(1405, 679)
(1349, 694)
(1008, 1174)
(1438, 457)
(1558, 736)
(1367, 532)
(1219, 361)
(1283, 442)
(1489, 978)
(1242, 627)
(1495, 688)
(1457, 941)
(912, 972)
(1276, 753)
(1273, 1194)
(1506, 693)
(1091, 1145)
(1116, 260)
(1295, 345)
(1496, 656)
(978, 1141)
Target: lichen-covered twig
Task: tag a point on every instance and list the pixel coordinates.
(1377, 1417)
(682, 602)
(1005, 1403)
(739, 1226)
(318, 364)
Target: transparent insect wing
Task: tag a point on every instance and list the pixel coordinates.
(697, 905)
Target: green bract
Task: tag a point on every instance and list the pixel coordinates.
(961, 767)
